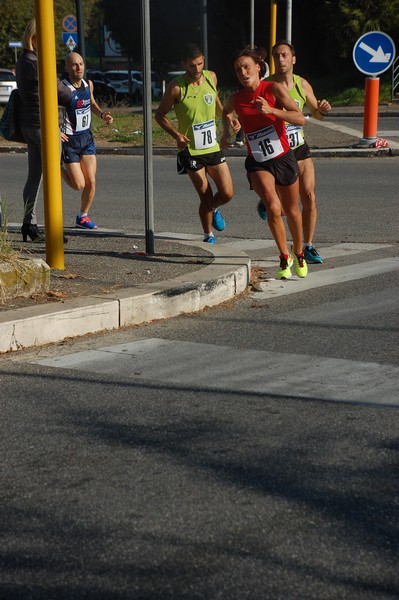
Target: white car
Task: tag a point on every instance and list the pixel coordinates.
(8, 83)
(120, 80)
(155, 84)
(171, 75)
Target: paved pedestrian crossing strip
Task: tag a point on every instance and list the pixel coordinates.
(272, 288)
(316, 278)
(191, 366)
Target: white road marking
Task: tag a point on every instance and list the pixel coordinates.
(392, 133)
(192, 365)
(282, 287)
(335, 251)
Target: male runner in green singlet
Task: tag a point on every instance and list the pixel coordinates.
(302, 93)
(195, 100)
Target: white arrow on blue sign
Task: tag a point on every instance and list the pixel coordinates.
(70, 40)
(374, 53)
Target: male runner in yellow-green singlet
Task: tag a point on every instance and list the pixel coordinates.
(302, 93)
(195, 100)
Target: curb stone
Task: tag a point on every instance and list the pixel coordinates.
(227, 277)
(30, 276)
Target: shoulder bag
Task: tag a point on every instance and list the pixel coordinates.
(9, 122)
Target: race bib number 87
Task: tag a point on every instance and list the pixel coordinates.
(265, 144)
(204, 135)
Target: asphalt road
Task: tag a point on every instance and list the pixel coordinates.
(249, 451)
(352, 193)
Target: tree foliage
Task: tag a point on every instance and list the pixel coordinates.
(353, 18)
(323, 31)
(15, 14)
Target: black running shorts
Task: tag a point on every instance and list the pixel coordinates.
(283, 168)
(302, 152)
(186, 162)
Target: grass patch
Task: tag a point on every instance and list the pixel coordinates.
(7, 253)
(9, 256)
(349, 96)
(128, 127)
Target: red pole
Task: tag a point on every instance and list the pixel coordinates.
(371, 107)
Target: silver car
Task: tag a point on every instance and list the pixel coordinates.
(120, 81)
(8, 83)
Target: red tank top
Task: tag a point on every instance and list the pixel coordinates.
(266, 136)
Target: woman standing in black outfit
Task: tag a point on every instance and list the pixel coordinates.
(29, 118)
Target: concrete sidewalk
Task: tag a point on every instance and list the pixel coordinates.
(225, 277)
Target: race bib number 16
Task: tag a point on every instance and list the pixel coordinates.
(265, 144)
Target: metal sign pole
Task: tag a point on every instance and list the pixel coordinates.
(204, 15)
(81, 30)
(147, 110)
(288, 34)
(252, 24)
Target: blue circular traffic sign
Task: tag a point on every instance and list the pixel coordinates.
(374, 53)
(69, 23)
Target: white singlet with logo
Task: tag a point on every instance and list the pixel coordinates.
(265, 144)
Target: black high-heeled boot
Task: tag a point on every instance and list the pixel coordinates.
(32, 231)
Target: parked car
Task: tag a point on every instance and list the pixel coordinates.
(170, 75)
(104, 92)
(8, 83)
(120, 81)
(155, 84)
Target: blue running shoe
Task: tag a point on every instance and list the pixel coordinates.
(217, 220)
(262, 210)
(311, 255)
(210, 239)
(85, 222)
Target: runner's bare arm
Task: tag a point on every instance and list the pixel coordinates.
(318, 108)
(170, 98)
(291, 112)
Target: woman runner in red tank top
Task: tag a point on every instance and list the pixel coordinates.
(262, 108)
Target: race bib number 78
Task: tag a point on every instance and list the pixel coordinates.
(204, 135)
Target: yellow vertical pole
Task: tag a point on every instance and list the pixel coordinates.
(52, 190)
(273, 28)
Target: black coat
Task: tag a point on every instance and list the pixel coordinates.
(28, 87)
